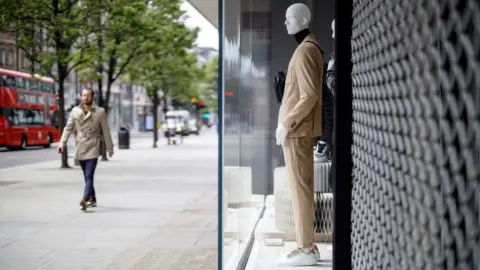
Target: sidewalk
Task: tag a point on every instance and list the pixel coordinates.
(157, 210)
(135, 137)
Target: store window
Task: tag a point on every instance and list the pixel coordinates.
(246, 65)
(10, 57)
(25, 61)
(2, 54)
(37, 67)
(256, 46)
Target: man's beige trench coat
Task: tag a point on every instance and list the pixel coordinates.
(90, 129)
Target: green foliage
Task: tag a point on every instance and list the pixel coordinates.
(166, 63)
(210, 86)
(122, 33)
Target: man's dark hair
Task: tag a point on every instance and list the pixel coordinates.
(91, 91)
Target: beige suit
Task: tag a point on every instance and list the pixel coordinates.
(89, 128)
(301, 114)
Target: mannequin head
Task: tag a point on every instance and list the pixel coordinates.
(333, 28)
(297, 18)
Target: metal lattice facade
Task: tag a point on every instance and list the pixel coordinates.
(416, 134)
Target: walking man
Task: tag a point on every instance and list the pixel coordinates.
(90, 124)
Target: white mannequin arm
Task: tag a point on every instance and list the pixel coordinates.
(330, 64)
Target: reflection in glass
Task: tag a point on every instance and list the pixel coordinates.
(246, 121)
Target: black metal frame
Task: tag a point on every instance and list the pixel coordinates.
(342, 164)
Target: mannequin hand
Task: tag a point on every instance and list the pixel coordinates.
(281, 133)
(330, 64)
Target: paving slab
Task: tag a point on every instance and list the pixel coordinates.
(157, 210)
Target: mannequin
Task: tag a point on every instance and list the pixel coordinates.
(324, 148)
(331, 63)
(299, 123)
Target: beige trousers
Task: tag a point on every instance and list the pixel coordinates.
(298, 154)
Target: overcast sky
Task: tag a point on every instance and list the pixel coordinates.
(208, 36)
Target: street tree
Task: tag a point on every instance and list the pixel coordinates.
(53, 34)
(121, 31)
(167, 65)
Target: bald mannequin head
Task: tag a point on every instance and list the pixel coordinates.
(298, 17)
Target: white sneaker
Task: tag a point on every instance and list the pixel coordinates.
(320, 152)
(299, 257)
(317, 252)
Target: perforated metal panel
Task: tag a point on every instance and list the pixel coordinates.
(416, 134)
(323, 213)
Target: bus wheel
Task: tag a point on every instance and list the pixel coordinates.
(24, 142)
(49, 138)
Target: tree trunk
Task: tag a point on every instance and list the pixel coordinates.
(101, 102)
(103, 148)
(155, 119)
(165, 104)
(112, 66)
(61, 112)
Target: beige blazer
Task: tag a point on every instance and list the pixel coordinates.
(301, 109)
(89, 128)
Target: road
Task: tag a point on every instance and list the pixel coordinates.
(157, 210)
(39, 154)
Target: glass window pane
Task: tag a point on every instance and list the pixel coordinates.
(19, 83)
(26, 83)
(34, 85)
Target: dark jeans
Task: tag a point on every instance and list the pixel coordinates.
(88, 168)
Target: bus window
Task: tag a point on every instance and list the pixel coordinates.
(45, 87)
(10, 81)
(20, 83)
(34, 85)
(3, 80)
(37, 117)
(12, 117)
(49, 88)
(22, 117)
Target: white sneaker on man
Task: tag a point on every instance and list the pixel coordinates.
(299, 257)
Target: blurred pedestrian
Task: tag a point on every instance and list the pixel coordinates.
(90, 124)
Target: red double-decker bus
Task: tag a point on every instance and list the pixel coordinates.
(28, 106)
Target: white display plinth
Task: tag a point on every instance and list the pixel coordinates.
(238, 183)
(280, 178)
